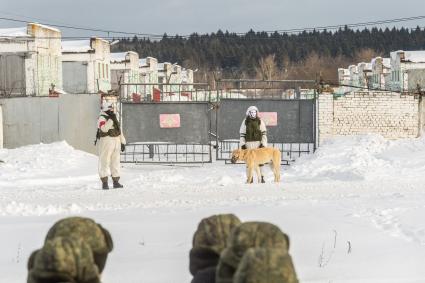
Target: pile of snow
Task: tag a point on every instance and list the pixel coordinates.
(366, 157)
(48, 161)
(51, 179)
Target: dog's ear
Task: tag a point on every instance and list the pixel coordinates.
(243, 153)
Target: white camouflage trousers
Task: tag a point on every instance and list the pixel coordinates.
(109, 156)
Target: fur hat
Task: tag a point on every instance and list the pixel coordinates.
(266, 265)
(98, 238)
(252, 111)
(245, 236)
(63, 259)
(210, 239)
(107, 105)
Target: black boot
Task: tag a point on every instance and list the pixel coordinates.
(262, 179)
(104, 183)
(116, 184)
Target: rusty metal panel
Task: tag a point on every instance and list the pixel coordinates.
(12, 75)
(74, 77)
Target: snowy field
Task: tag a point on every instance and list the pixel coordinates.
(354, 210)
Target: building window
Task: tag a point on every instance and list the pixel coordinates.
(107, 71)
(98, 70)
(103, 71)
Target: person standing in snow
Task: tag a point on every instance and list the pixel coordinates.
(253, 133)
(111, 141)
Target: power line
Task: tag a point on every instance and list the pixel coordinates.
(85, 29)
(281, 31)
(363, 24)
(33, 18)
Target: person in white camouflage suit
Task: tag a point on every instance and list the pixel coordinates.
(253, 133)
(111, 141)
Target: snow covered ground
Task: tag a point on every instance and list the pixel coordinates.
(354, 210)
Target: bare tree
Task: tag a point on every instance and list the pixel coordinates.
(267, 68)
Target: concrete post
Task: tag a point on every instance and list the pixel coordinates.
(1, 128)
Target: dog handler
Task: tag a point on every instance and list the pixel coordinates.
(111, 141)
(253, 133)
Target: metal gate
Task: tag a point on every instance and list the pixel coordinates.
(287, 107)
(12, 75)
(166, 131)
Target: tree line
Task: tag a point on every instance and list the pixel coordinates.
(275, 55)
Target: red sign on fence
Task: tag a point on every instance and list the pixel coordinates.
(269, 118)
(169, 121)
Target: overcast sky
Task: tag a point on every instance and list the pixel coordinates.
(202, 16)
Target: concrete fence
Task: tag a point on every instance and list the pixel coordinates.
(391, 115)
(33, 120)
(70, 117)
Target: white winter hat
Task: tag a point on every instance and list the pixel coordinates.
(252, 111)
(107, 105)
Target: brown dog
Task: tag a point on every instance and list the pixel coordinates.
(255, 157)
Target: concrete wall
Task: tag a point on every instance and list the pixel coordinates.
(33, 120)
(325, 116)
(101, 56)
(176, 78)
(47, 45)
(149, 74)
(1, 127)
(42, 50)
(78, 123)
(126, 68)
(380, 74)
(390, 114)
(25, 48)
(97, 60)
(422, 115)
(400, 69)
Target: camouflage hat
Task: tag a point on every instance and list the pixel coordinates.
(210, 239)
(94, 234)
(63, 259)
(260, 265)
(245, 236)
(213, 231)
(97, 237)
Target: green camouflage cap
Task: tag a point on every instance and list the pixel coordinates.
(94, 234)
(245, 236)
(63, 259)
(213, 231)
(210, 239)
(261, 265)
